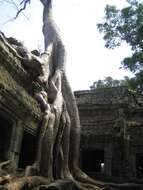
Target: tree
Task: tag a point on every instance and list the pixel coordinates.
(97, 84)
(109, 82)
(126, 25)
(59, 138)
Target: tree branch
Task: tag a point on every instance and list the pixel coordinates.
(13, 3)
(46, 2)
(24, 2)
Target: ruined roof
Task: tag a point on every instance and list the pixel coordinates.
(109, 96)
(16, 86)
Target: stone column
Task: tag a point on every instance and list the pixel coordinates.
(108, 160)
(133, 163)
(16, 141)
(127, 159)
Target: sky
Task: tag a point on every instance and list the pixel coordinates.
(87, 58)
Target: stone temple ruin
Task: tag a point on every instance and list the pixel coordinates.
(112, 132)
(111, 119)
(19, 111)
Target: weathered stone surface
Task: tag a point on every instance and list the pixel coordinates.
(16, 88)
(112, 121)
(17, 104)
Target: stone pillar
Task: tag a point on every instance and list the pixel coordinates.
(108, 160)
(16, 141)
(117, 157)
(11, 136)
(133, 163)
(127, 159)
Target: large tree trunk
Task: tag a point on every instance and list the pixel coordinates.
(64, 92)
(66, 136)
(75, 123)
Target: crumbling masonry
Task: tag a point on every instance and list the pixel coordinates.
(112, 123)
(112, 132)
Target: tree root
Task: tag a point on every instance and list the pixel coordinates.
(68, 184)
(26, 183)
(42, 183)
(79, 175)
(4, 164)
(88, 186)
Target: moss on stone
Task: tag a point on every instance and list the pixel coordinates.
(7, 81)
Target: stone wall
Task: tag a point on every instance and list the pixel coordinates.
(19, 111)
(112, 122)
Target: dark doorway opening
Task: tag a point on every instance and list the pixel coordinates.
(93, 160)
(28, 150)
(5, 137)
(139, 165)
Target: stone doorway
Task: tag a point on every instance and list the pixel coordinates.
(139, 165)
(5, 137)
(28, 150)
(93, 161)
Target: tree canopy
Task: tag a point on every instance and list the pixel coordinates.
(109, 82)
(126, 25)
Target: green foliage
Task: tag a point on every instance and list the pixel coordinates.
(123, 25)
(126, 25)
(109, 82)
(134, 83)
